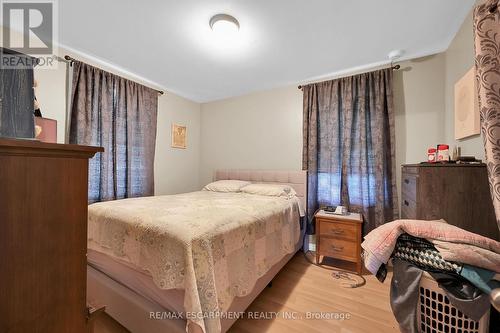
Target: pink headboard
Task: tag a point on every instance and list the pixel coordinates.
(295, 179)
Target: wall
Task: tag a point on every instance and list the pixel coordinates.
(258, 131)
(51, 95)
(459, 59)
(419, 109)
(176, 170)
(264, 130)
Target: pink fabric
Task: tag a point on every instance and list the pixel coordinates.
(468, 254)
(379, 244)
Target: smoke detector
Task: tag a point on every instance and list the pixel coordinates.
(395, 54)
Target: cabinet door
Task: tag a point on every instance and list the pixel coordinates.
(16, 98)
(43, 243)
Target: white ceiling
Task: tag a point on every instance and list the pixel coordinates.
(169, 42)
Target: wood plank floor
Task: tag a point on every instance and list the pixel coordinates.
(300, 288)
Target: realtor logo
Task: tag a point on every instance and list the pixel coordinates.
(29, 27)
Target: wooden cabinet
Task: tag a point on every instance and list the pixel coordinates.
(339, 236)
(43, 236)
(457, 193)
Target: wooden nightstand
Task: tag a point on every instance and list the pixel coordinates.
(339, 236)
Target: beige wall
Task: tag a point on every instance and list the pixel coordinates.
(51, 95)
(257, 131)
(459, 59)
(264, 130)
(419, 109)
(176, 170)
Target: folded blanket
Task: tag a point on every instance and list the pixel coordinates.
(423, 254)
(469, 254)
(379, 244)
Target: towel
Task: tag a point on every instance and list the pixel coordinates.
(468, 254)
(379, 243)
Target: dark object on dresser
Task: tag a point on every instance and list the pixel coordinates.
(457, 193)
(16, 95)
(43, 236)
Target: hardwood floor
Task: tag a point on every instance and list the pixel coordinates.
(301, 287)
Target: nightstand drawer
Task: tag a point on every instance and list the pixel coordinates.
(338, 230)
(338, 248)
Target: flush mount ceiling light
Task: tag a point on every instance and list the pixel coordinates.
(224, 26)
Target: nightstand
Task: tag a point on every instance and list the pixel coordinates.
(339, 237)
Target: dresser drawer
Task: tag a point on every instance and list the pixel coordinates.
(338, 248)
(409, 169)
(338, 230)
(409, 186)
(408, 208)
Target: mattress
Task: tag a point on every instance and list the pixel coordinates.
(204, 248)
(140, 287)
(137, 280)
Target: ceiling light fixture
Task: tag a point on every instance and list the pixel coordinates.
(224, 26)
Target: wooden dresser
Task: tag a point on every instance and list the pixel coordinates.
(43, 236)
(457, 193)
(339, 237)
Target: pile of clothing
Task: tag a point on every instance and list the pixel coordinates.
(465, 265)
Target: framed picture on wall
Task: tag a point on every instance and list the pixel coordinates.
(179, 136)
(466, 106)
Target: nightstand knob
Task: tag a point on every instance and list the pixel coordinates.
(338, 249)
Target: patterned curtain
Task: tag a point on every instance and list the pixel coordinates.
(487, 48)
(349, 146)
(119, 115)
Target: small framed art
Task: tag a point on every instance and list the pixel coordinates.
(179, 136)
(466, 106)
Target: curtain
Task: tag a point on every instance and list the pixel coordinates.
(487, 63)
(119, 115)
(349, 146)
(16, 95)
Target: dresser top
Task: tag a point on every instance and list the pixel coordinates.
(351, 217)
(37, 148)
(442, 165)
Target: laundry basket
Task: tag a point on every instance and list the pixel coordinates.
(437, 315)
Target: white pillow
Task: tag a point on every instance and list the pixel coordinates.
(274, 190)
(226, 186)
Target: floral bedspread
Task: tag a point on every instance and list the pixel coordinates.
(213, 245)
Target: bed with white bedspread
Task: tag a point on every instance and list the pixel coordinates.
(213, 246)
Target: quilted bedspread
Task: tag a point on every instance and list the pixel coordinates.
(213, 245)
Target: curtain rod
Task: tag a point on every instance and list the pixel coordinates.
(71, 60)
(394, 68)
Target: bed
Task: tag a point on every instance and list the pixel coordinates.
(192, 261)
